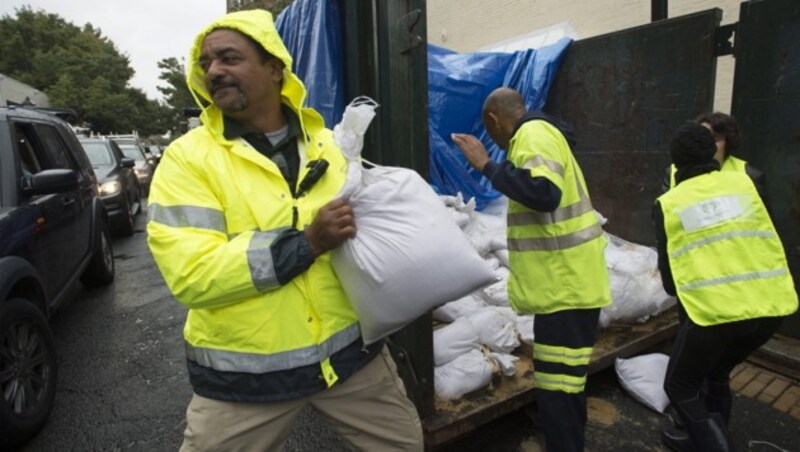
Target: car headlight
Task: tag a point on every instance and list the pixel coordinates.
(110, 188)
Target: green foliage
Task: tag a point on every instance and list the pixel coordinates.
(78, 68)
(176, 92)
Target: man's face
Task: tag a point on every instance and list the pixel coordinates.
(494, 129)
(719, 140)
(239, 82)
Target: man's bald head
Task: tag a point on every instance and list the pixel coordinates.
(501, 111)
(504, 102)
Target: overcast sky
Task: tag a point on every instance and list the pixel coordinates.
(145, 30)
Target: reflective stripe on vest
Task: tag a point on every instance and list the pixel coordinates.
(232, 361)
(724, 252)
(717, 237)
(557, 243)
(733, 278)
(538, 160)
(577, 209)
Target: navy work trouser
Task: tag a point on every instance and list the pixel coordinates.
(562, 347)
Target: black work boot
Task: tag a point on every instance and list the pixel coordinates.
(721, 405)
(709, 435)
(677, 441)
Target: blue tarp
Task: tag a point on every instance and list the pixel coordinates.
(311, 30)
(458, 83)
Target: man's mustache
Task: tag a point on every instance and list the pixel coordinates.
(217, 85)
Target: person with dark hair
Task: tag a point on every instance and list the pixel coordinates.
(556, 245)
(241, 225)
(725, 130)
(719, 253)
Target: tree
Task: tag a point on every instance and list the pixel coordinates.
(78, 68)
(176, 93)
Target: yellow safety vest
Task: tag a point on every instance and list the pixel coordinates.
(556, 258)
(216, 206)
(731, 163)
(727, 261)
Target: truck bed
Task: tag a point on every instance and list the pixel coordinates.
(452, 419)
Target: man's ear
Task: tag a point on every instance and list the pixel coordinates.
(276, 66)
(494, 118)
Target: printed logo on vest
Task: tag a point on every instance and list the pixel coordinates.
(710, 212)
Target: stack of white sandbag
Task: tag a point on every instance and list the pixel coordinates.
(636, 286)
(483, 330)
(464, 358)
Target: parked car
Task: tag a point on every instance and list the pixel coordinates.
(118, 184)
(156, 150)
(143, 169)
(53, 233)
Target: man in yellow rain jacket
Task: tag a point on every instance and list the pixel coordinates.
(242, 216)
(720, 254)
(555, 243)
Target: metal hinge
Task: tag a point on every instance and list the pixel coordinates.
(723, 44)
(408, 37)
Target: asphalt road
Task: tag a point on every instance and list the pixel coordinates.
(123, 385)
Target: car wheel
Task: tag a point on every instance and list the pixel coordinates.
(100, 271)
(137, 203)
(28, 371)
(126, 222)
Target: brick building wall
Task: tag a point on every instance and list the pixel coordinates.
(468, 25)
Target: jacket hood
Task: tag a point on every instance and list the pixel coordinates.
(257, 24)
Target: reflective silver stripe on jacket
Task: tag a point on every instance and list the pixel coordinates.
(725, 235)
(538, 160)
(557, 243)
(733, 278)
(188, 217)
(256, 363)
(583, 205)
(259, 258)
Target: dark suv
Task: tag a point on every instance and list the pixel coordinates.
(119, 187)
(53, 234)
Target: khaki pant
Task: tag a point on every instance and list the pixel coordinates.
(370, 411)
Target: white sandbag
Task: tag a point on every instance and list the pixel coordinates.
(503, 256)
(495, 294)
(636, 288)
(408, 256)
(487, 233)
(453, 340)
(459, 218)
(456, 309)
(506, 362)
(467, 373)
(497, 328)
(643, 378)
(501, 273)
(492, 262)
(525, 328)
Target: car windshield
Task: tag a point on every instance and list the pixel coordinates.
(132, 151)
(98, 153)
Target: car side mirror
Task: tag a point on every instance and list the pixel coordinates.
(127, 162)
(50, 181)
